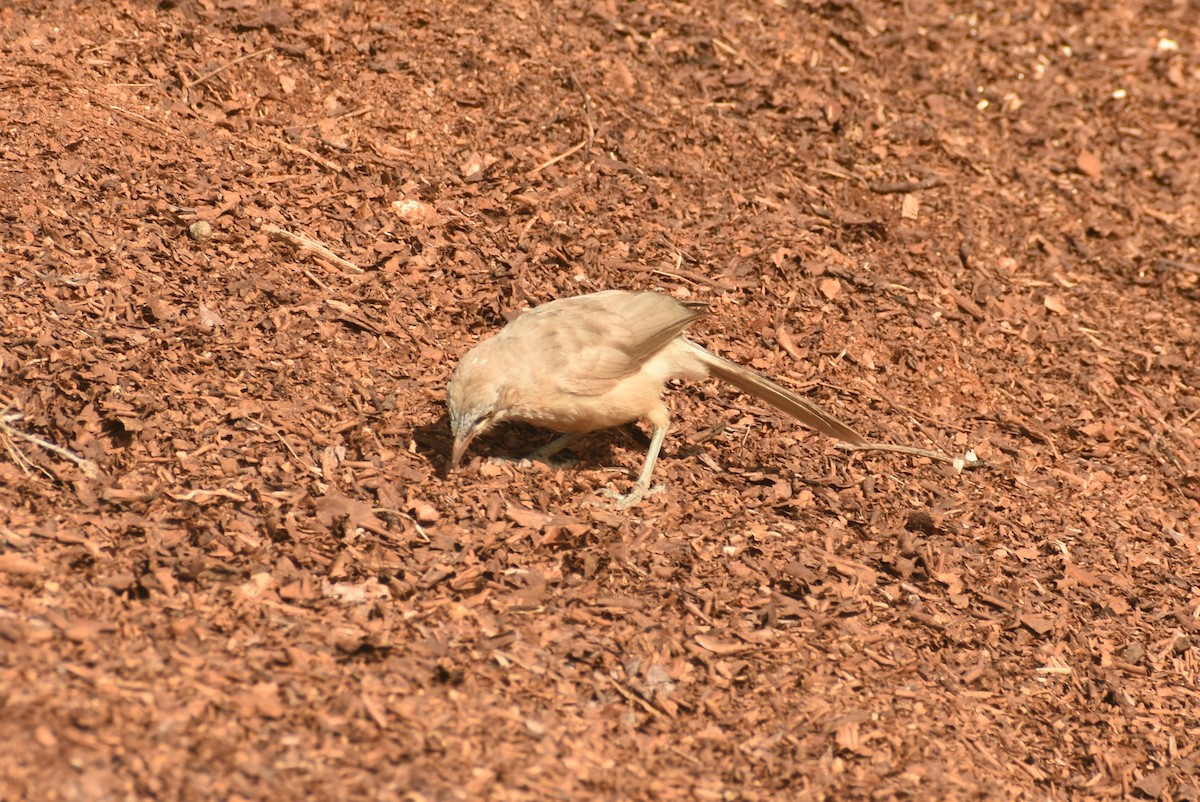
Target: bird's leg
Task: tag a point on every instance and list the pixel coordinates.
(642, 486)
(556, 445)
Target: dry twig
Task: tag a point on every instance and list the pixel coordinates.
(331, 166)
(894, 187)
(223, 67)
(566, 153)
(969, 460)
(307, 244)
(89, 468)
(1184, 266)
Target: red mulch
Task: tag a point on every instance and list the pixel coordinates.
(240, 572)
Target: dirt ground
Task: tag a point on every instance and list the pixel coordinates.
(231, 566)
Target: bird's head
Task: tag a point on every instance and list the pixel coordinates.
(474, 398)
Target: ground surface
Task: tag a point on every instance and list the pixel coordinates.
(242, 575)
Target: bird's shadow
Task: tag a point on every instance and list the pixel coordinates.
(516, 441)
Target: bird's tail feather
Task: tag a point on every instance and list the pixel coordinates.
(783, 399)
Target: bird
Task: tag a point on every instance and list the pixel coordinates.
(590, 362)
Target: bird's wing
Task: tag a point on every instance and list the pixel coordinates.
(591, 342)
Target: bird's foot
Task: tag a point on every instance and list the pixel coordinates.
(519, 462)
(634, 496)
(527, 462)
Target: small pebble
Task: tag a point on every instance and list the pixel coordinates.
(426, 513)
(200, 231)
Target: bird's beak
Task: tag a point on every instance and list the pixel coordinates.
(460, 447)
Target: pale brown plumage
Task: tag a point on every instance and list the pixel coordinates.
(593, 361)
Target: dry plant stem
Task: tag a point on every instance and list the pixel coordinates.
(331, 166)
(910, 450)
(681, 273)
(565, 154)
(587, 107)
(638, 700)
(317, 281)
(1184, 266)
(146, 121)
(224, 67)
(15, 454)
(895, 187)
(89, 468)
(304, 243)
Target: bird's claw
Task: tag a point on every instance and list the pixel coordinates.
(633, 497)
(520, 462)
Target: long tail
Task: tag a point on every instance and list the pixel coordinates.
(780, 397)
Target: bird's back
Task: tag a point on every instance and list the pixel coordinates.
(576, 352)
(585, 344)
